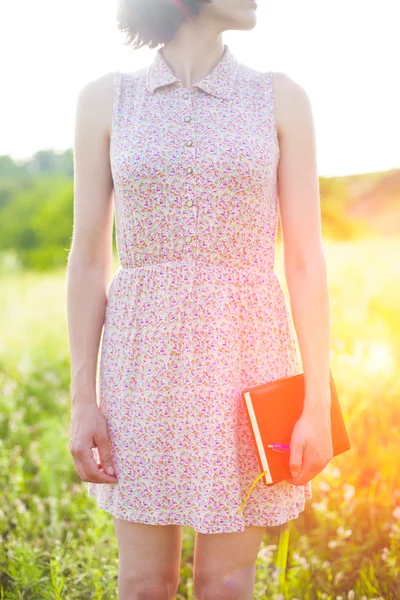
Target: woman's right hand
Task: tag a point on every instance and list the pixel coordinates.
(89, 430)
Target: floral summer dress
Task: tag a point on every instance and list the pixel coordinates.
(195, 312)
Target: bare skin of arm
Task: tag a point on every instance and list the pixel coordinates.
(305, 272)
(89, 271)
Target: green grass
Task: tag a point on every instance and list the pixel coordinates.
(56, 544)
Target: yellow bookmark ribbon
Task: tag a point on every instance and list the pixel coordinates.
(250, 490)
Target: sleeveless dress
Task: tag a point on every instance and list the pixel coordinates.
(195, 312)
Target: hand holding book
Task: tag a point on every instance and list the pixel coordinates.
(306, 439)
(310, 447)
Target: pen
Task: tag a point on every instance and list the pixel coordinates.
(279, 447)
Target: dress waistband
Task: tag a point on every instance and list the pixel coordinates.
(218, 271)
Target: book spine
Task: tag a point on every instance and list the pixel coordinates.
(257, 437)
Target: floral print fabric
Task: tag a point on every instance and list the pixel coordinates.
(195, 312)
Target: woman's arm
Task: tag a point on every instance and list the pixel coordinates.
(306, 274)
(304, 258)
(88, 273)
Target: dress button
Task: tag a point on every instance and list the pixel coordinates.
(189, 203)
(186, 95)
(189, 170)
(189, 142)
(188, 118)
(189, 239)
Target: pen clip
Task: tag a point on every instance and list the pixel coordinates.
(279, 447)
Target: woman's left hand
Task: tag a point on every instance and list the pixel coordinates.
(310, 445)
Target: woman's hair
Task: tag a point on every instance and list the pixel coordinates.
(154, 22)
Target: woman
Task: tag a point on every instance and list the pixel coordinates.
(195, 147)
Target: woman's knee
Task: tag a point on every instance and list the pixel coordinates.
(218, 589)
(149, 560)
(238, 586)
(134, 586)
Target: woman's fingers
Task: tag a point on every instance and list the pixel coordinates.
(95, 474)
(87, 468)
(104, 448)
(89, 430)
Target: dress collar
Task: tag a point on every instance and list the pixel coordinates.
(219, 82)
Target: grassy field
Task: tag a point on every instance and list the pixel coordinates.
(55, 543)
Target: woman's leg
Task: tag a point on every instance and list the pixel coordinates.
(225, 564)
(149, 560)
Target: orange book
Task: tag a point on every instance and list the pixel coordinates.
(273, 409)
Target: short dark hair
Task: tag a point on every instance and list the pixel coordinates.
(153, 22)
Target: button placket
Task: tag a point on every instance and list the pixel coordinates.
(189, 142)
(189, 232)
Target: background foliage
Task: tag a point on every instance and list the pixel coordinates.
(56, 544)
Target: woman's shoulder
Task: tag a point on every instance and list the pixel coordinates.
(94, 99)
(291, 100)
